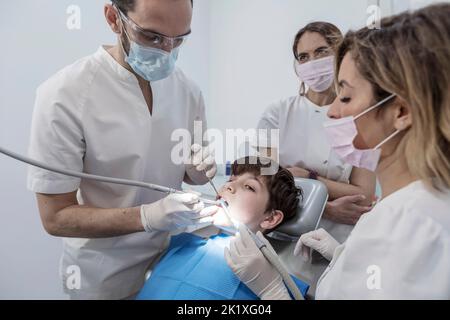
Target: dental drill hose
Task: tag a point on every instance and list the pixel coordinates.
(276, 263)
(86, 176)
(290, 284)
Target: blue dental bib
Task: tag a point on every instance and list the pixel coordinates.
(194, 268)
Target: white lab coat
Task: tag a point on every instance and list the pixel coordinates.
(303, 143)
(400, 250)
(92, 117)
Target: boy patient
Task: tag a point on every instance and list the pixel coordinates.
(194, 267)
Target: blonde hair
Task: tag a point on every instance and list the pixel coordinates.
(410, 56)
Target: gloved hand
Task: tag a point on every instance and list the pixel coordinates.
(175, 212)
(252, 268)
(318, 240)
(202, 161)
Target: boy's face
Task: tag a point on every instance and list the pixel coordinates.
(247, 197)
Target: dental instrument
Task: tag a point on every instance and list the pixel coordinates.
(224, 206)
(80, 175)
(212, 184)
(276, 263)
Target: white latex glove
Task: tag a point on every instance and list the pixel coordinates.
(252, 268)
(175, 212)
(318, 240)
(202, 160)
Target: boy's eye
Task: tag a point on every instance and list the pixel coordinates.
(345, 100)
(250, 188)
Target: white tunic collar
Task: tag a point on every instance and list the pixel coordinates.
(106, 59)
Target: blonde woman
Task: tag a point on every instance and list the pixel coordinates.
(401, 249)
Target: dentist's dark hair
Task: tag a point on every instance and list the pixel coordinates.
(128, 5)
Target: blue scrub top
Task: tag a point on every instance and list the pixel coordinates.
(194, 268)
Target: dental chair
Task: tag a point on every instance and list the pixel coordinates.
(309, 213)
(307, 219)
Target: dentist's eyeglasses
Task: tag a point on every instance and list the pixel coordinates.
(153, 39)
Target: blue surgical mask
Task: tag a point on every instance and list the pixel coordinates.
(152, 64)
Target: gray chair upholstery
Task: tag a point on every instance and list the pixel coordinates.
(309, 213)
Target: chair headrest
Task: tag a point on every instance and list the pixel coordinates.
(309, 212)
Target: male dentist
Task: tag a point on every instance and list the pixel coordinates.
(113, 114)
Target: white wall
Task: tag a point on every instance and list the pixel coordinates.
(240, 55)
(195, 55)
(35, 44)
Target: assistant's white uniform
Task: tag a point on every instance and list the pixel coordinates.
(303, 143)
(92, 117)
(400, 250)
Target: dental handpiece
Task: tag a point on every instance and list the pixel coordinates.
(86, 176)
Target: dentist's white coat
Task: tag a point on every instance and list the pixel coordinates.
(92, 117)
(400, 250)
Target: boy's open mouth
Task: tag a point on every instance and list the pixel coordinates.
(222, 198)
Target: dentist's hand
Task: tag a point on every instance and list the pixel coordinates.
(175, 212)
(202, 161)
(252, 268)
(318, 240)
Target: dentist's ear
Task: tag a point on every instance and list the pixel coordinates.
(272, 220)
(403, 117)
(112, 17)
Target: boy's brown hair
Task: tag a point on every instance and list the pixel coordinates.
(284, 195)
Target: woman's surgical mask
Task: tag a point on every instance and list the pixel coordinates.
(318, 74)
(341, 134)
